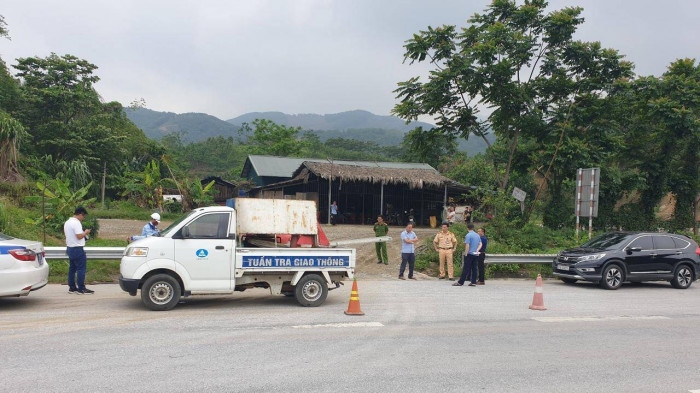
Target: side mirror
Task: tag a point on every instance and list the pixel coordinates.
(633, 249)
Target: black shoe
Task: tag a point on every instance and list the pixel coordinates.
(380, 262)
(472, 285)
(412, 278)
(86, 291)
(451, 278)
(402, 278)
(73, 291)
(457, 284)
(442, 278)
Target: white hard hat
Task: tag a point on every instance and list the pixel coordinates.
(155, 216)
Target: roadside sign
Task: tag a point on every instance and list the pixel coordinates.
(519, 194)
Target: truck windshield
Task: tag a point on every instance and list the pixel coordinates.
(165, 232)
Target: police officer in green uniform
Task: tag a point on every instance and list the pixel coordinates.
(381, 229)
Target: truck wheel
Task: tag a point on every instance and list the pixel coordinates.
(311, 290)
(160, 292)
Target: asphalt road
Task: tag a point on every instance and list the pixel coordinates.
(415, 336)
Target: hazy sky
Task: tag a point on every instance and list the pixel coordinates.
(230, 57)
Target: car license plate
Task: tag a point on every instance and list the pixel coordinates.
(563, 267)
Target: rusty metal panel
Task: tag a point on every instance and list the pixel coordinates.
(272, 216)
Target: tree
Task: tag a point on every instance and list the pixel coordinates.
(273, 139)
(428, 146)
(11, 134)
(661, 121)
(520, 63)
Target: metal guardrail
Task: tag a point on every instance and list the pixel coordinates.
(117, 252)
(518, 259)
(92, 252)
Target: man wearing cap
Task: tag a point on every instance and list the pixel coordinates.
(75, 241)
(445, 243)
(150, 229)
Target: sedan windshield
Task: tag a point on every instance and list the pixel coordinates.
(607, 241)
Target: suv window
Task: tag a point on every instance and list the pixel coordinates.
(663, 243)
(643, 242)
(680, 243)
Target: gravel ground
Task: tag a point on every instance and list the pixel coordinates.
(367, 266)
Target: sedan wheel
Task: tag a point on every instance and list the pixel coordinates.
(613, 276)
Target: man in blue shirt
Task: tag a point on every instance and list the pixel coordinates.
(408, 252)
(472, 243)
(150, 229)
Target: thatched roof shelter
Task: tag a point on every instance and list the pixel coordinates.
(414, 178)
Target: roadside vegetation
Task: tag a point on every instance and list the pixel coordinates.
(555, 104)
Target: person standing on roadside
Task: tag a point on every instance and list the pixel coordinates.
(381, 229)
(445, 244)
(408, 252)
(334, 213)
(75, 243)
(472, 242)
(482, 255)
(150, 229)
(450, 215)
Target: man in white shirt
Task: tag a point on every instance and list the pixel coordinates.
(75, 241)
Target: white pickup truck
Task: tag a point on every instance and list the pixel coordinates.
(214, 250)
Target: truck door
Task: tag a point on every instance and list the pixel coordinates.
(204, 249)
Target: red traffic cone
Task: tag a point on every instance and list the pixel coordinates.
(354, 304)
(538, 297)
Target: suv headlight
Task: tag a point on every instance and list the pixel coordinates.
(137, 252)
(588, 258)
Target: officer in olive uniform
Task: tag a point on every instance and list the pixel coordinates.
(381, 229)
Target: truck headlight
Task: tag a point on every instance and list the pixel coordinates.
(137, 252)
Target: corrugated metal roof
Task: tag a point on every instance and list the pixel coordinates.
(285, 166)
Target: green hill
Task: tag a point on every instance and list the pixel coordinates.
(358, 125)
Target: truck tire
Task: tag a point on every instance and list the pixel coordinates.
(160, 292)
(311, 290)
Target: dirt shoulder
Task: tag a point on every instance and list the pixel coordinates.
(367, 267)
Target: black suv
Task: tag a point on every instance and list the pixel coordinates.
(613, 258)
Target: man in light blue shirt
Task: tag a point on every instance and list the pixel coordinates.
(472, 243)
(150, 229)
(408, 252)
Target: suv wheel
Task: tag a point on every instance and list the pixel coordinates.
(613, 276)
(682, 277)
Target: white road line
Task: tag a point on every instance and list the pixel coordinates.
(340, 325)
(597, 319)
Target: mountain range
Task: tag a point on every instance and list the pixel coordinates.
(358, 124)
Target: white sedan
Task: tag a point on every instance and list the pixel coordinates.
(23, 266)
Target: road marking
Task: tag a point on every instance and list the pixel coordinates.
(340, 325)
(694, 391)
(598, 319)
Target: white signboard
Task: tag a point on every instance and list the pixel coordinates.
(519, 194)
(587, 184)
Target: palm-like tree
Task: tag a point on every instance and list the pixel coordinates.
(11, 134)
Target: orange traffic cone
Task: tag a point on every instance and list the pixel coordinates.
(354, 305)
(538, 298)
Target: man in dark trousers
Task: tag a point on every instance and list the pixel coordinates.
(482, 255)
(472, 242)
(75, 243)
